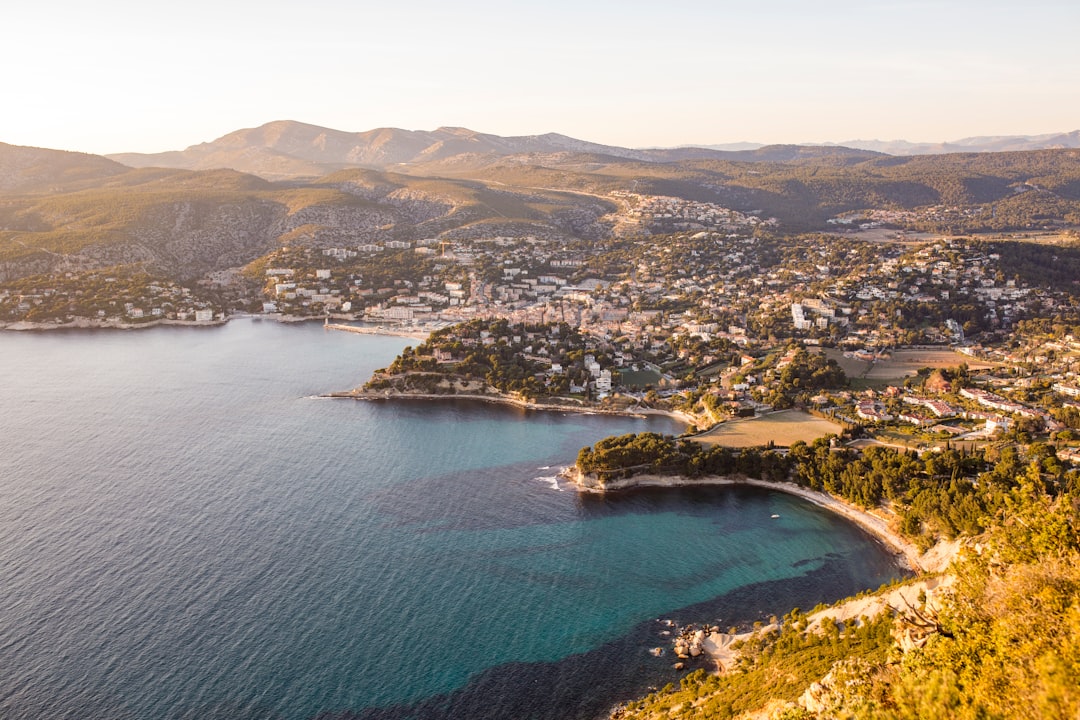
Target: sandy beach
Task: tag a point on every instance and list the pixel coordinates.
(874, 524)
(414, 333)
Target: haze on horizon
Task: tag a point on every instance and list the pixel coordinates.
(126, 76)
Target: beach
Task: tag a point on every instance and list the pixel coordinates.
(415, 334)
(721, 647)
(877, 526)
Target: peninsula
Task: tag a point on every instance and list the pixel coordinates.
(547, 366)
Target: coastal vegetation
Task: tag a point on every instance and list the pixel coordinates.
(775, 666)
(933, 496)
(1003, 642)
(999, 642)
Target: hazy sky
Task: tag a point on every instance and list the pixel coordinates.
(126, 75)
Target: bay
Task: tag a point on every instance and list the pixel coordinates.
(187, 531)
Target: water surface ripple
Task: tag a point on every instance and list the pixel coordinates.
(186, 531)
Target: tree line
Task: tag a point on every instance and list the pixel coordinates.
(936, 495)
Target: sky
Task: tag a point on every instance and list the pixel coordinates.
(137, 76)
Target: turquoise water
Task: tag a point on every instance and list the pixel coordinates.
(187, 531)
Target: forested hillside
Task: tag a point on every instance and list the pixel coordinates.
(68, 211)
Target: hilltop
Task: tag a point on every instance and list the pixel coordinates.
(30, 169)
(286, 148)
(290, 149)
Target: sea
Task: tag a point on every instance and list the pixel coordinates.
(188, 530)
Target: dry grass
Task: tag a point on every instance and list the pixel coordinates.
(781, 428)
(907, 362)
(903, 363)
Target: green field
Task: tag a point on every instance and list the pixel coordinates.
(639, 378)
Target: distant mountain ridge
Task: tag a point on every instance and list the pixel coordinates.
(979, 143)
(287, 148)
(987, 143)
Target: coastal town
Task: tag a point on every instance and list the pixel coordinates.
(705, 320)
(546, 361)
(899, 346)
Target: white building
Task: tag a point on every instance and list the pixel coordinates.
(603, 382)
(801, 323)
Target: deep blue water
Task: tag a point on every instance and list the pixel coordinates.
(186, 531)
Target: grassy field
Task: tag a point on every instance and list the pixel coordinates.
(640, 378)
(903, 363)
(782, 428)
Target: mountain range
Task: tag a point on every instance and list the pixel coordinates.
(225, 203)
(290, 149)
(988, 143)
(980, 143)
(286, 148)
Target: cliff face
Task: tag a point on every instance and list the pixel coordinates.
(601, 483)
(588, 482)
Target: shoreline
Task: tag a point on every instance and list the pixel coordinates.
(414, 334)
(85, 323)
(907, 552)
(635, 412)
(94, 324)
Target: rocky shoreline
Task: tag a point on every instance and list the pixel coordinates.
(693, 643)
